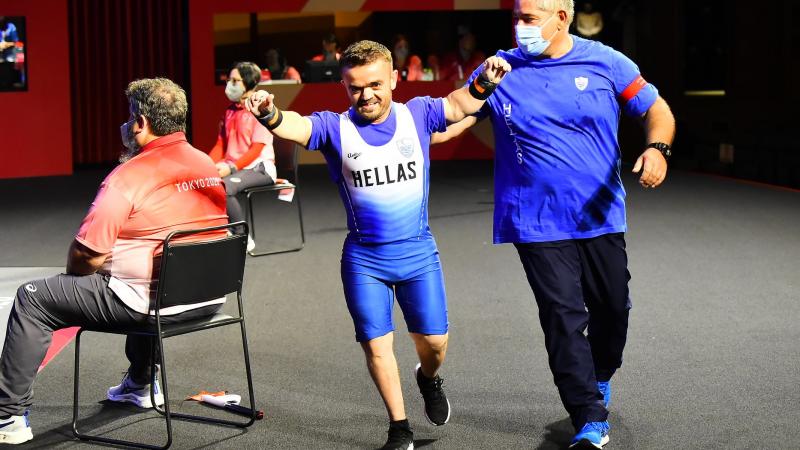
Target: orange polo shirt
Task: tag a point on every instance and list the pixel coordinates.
(168, 186)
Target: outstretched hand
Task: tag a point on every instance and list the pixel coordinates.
(495, 68)
(260, 103)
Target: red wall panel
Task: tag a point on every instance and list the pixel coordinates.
(35, 131)
(113, 43)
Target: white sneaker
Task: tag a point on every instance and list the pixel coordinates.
(139, 395)
(15, 430)
(251, 244)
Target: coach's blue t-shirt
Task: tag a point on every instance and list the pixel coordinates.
(557, 159)
(381, 169)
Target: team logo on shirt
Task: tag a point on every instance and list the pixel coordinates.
(406, 146)
(581, 83)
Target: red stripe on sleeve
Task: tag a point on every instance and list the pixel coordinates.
(633, 89)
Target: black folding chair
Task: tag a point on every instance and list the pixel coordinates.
(187, 276)
(286, 155)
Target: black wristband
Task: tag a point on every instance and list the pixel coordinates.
(269, 116)
(481, 88)
(276, 120)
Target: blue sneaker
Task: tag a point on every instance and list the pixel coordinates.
(592, 435)
(139, 395)
(605, 388)
(15, 429)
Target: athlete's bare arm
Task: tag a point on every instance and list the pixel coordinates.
(292, 126)
(461, 102)
(453, 130)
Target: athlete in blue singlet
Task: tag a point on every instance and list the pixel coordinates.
(377, 154)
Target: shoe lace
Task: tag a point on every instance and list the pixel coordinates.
(602, 427)
(126, 380)
(397, 437)
(432, 388)
(128, 383)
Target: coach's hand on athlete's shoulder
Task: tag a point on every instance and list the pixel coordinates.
(260, 103)
(495, 68)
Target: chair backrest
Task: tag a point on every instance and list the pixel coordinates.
(199, 271)
(286, 158)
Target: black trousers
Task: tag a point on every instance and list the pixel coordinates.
(62, 301)
(239, 181)
(581, 286)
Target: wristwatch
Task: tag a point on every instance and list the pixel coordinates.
(665, 149)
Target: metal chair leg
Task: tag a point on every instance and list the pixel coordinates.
(76, 385)
(197, 418)
(250, 390)
(105, 440)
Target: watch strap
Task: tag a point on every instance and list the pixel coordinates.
(665, 149)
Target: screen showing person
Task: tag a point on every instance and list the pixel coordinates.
(12, 54)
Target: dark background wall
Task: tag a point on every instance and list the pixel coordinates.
(753, 54)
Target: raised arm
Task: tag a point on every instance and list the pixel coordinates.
(285, 124)
(469, 99)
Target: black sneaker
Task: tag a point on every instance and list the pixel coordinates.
(437, 407)
(399, 439)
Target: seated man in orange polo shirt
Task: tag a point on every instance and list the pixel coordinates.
(164, 184)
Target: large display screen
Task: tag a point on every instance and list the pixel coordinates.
(13, 73)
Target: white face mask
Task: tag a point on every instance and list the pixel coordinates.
(530, 39)
(234, 92)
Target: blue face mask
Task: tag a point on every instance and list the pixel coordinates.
(530, 39)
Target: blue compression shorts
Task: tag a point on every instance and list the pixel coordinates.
(373, 273)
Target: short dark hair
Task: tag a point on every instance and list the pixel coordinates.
(364, 52)
(161, 101)
(400, 37)
(330, 38)
(250, 73)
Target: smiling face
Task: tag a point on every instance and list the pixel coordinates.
(369, 88)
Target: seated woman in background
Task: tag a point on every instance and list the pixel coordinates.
(243, 153)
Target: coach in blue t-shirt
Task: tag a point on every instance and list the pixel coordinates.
(377, 154)
(559, 197)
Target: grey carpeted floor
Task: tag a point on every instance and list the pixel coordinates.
(713, 357)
